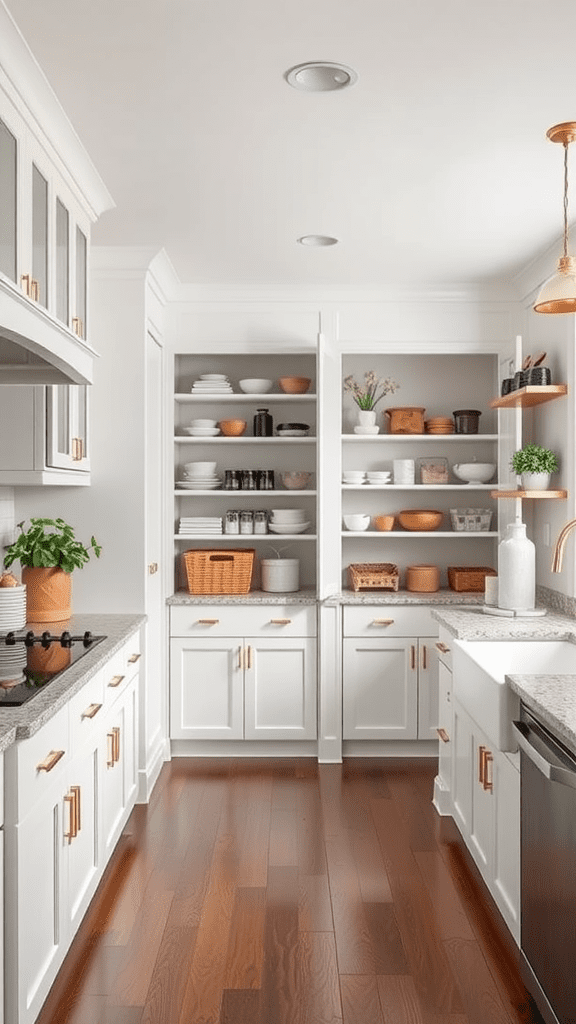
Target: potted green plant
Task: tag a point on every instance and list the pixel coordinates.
(48, 553)
(534, 465)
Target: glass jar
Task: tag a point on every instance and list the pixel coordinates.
(248, 480)
(246, 522)
(232, 521)
(263, 423)
(260, 521)
(231, 480)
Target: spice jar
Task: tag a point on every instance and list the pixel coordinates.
(248, 480)
(263, 423)
(232, 521)
(260, 521)
(246, 522)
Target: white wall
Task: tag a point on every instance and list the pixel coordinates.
(7, 519)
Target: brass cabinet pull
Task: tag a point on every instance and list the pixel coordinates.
(488, 781)
(77, 449)
(424, 657)
(75, 790)
(116, 743)
(78, 326)
(208, 622)
(249, 656)
(115, 681)
(50, 761)
(110, 750)
(91, 711)
(382, 622)
(240, 650)
(71, 833)
(412, 656)
(152, 568)
(443, 735)
(25, 283)
(442, 648)
(280, 622)
(133, 658)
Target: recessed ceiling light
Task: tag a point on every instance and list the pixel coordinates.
(317, 240)
(320, 76)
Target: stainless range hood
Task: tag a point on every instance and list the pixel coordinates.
(35, 348)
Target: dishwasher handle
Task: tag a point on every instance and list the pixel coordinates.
(554, 772)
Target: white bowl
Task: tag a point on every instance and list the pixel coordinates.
(214, 377)
(357, 521)
(474, 472)
(199, 468)
(255, 385)
(352, 475)
(203, 423)
(202, 431)
(292, 514)
(288, 527)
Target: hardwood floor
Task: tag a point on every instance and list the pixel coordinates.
(284, 892)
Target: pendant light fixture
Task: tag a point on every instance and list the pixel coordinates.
(558, 294)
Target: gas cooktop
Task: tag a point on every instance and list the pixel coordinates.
(28, 662)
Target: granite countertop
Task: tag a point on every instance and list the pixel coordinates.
(22, 722)
(553, 701)
(183, 597)
(472, 624)
(440, 597)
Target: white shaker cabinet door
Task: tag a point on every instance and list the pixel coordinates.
(427, 689)
(280, 689)
(206, 680)
(380, 689)
(82, 854)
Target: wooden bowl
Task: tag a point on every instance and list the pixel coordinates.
(383, 522)
(232, 428)
(294, 385)
(420, 518)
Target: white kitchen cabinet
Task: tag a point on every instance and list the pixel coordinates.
(445, 728)
(47, 441)
(390, 682)
(63, 819)
(486, 808)
(67, 428)
(226, 684)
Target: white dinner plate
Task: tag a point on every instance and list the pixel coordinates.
(198, 486)
(292, 528)
(201, 431)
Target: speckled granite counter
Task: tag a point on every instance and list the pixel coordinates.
(440, 597)
(469, 624)
(182, 597)
(19, 723)
(553, 701)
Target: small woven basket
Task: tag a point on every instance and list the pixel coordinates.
(423, 579)
(373, 576)
(469, 578)
(219, 572)
(470, 520)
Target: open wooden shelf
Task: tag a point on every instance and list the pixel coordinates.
(530, 395)
(528, 494)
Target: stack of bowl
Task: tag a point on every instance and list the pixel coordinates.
(378, 477)
(288, 520)
(353, 476)
(200, 476)
(202, 428)
(439, 425)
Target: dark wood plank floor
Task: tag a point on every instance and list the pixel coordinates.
(284, 892)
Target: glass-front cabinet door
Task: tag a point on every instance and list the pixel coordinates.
(62, 266)
(38, 289)
(9, 204)
(67, 427)
(80, 283)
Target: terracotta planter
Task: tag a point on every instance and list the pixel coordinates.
(48, 594)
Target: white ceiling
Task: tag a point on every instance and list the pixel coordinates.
(433, 168)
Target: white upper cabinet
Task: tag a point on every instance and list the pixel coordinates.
(51, 194)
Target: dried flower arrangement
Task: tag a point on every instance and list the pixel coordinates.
(374, 388)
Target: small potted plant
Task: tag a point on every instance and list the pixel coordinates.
(534, 465)
(367, 397)
(48, 553)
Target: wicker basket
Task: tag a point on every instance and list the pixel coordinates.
(470, 520)
(374, 576)
(423, 579)
(469, 578)
(219, 572)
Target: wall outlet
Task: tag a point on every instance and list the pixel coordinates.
(546, 535)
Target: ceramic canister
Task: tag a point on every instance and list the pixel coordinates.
(516, 570)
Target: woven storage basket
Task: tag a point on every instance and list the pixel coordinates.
(423, 579)
(373, 575)
(469, 520)
(469, 578)
(219, 572)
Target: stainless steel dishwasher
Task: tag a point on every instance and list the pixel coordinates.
(548, 869)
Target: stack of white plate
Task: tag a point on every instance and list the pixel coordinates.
(200, 483)
(212, 384)
(12, 665)
(377, 477)
(288, 520)
(202, 428)
(191, 525)
(12, 608)
(353, 476)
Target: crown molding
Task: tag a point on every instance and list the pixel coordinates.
(493, 292)
(28, 88)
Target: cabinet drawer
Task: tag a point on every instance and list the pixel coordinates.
(241, 620)
(389, 620)
(40, 760)
(130, 656)
(86, 711)
(444, 647)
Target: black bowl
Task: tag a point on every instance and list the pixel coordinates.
(293, 426)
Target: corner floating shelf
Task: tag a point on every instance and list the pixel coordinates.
(529, 494)
(529, 396)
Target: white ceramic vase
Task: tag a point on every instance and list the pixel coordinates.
(535, 481)
(516, 570)
(280, 575)
(366, 417)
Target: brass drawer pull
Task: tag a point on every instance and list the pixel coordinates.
(443, 735)
(442, 648)
(133, 658)
(91, 711)
(280, 622)
(240, 652)
(424, 656)
(382, 622)
(481, 752)
(488, 782)
(115, 681)
(208, 622)
(75, 790)
(412, 656)
(50, 761)
(116, 743)
(249, 656)
(110, 761)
